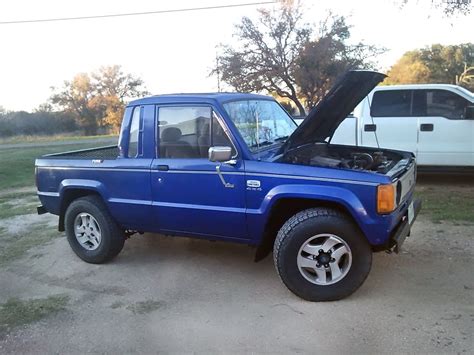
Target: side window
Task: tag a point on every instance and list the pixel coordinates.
(184, 132)
(391, 103)
(134, 130)
(220, 137)
(445, 104)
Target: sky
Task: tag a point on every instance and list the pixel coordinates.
(175, 52)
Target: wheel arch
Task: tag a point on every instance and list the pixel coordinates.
(285, 206)
(71, 190)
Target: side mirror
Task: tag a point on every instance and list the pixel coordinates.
(469, 113)
(220, 154)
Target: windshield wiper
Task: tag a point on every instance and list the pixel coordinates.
(261, 144)
(284, 138)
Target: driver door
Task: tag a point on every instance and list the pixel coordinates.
(190, 197)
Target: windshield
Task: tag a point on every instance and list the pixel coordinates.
(260, 122)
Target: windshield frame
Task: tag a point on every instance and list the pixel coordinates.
(255, 150)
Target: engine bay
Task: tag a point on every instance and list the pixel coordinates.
(344, 157)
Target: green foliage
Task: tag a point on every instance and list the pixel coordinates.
(36, 123)
(16, 312)
(435, 64)
(450, 7)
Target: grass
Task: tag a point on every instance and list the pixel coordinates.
(441, 203)
(16, 312)
(13, 246)
(18, 164)
(53, 138)
(145, 307)
(17, 204)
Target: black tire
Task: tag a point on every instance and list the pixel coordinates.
(302, 227)
(112, 237)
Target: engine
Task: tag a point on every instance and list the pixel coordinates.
(344, 157)
(376, 161)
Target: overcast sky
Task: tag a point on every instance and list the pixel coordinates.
(174, 52)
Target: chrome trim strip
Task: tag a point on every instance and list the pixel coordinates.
(44, 193)
(199, 207)
(211, 172)
(313, 179)
(130, 201)
(248, 174)
(138, 170)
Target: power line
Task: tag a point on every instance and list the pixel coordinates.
(136, 13)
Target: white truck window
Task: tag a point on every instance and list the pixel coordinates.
(391, 103)
(441, 103)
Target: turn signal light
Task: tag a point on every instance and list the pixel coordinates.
(385, 198)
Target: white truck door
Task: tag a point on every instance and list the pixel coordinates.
(445, 133)
(346, 133)
(389, 120)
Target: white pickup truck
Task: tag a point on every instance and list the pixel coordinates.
(434, 121)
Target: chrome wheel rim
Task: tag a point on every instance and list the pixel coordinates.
(324, 259)
(87, 231)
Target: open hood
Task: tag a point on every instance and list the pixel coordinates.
(323, 120)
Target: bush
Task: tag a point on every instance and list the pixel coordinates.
(36, 123)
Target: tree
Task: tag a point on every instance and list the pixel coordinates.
(466, 78)
(435, 64)
(98, 99)
(79, 97)
(450, 7)
(114, 89)
(277, 54)
(266, 58)
(321, 61)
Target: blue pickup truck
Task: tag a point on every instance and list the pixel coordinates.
(235, 167)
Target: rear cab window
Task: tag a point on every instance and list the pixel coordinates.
(134, 133)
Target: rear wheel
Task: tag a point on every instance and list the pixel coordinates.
(91, 231)
(320, 255)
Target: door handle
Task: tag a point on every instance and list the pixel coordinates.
(426, 127)
(370, 127)
(163, 167)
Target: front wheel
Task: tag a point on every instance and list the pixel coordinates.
(320, 255)
(91, 231)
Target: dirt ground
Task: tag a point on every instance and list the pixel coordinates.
(167, 294)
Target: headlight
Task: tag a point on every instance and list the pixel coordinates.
(386, 198)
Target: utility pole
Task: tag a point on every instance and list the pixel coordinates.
(218, 73)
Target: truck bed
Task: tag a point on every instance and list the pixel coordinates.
(110, 152)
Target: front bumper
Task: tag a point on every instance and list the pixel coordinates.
(403, 229)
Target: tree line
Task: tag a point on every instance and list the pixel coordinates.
(277, 53)
(88, 103)
(281, 54)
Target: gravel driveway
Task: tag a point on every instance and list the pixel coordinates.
(177, 294)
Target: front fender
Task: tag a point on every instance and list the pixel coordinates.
(334, 194)
(340, 196)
